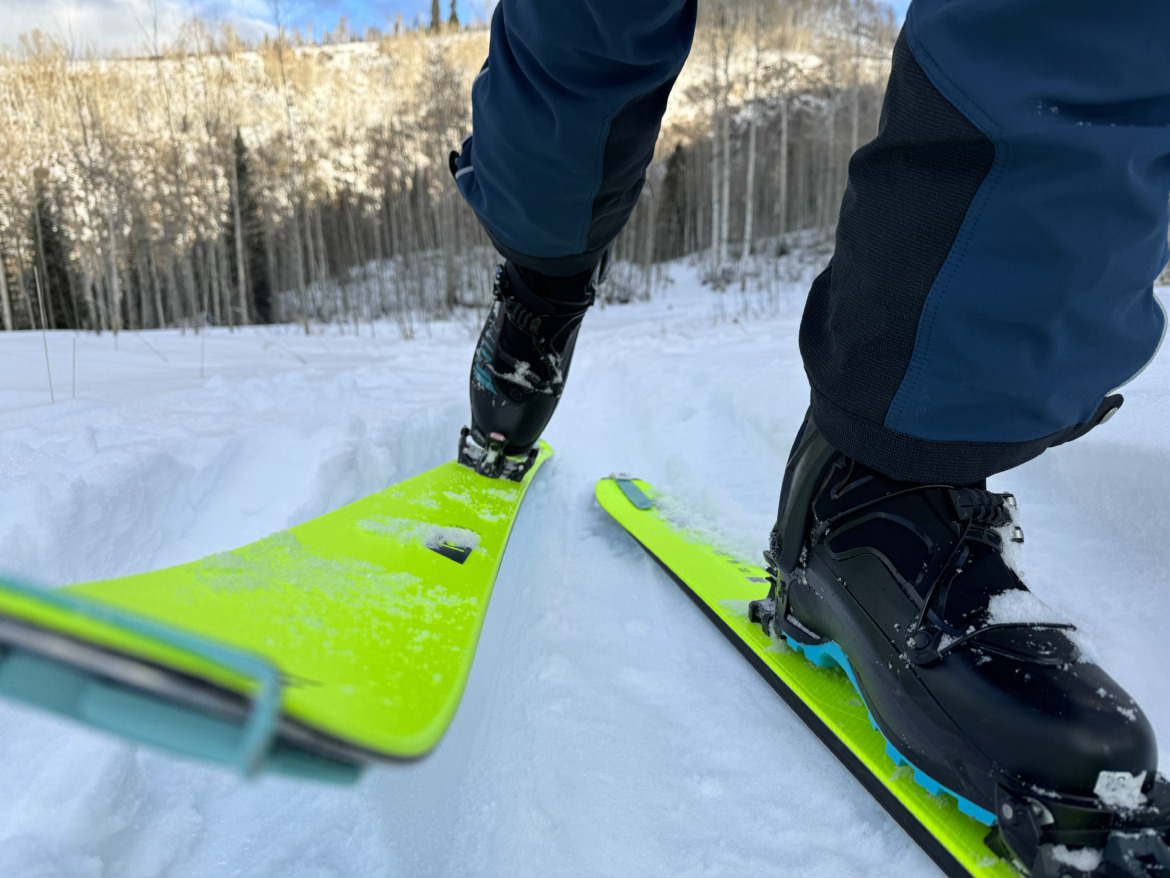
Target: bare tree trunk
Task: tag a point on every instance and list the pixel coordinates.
(298, 259)
(782, 170)
(212, 283)
(225, 280)
(158, 302)
(804, 170)
(145, 318)
(750, 199)
(725, 191)
(322, 256)
(829, 180)
(243, 311)
(176, 303)
(294, 189)
(32, 321)
(41, 275)
(716, 150)
(93, 312)
(356, 257)
(5, 301)
(754, 125)
(447, 236)
(103, 310)
(379, 267)
(277, 304)
(115, 288)
(179, 172)
(169, 237)
(648, 246)
(721, 144)
(87, 116)
(310, 246)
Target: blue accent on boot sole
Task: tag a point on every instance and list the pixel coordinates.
(830, 655)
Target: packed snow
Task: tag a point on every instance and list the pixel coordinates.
(607, 728)
(1120, 789)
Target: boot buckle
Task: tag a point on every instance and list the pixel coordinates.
(922, 645)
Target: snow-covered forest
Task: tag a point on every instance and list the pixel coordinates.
(212, 182)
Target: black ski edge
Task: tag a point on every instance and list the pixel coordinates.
(925, 840)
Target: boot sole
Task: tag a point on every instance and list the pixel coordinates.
(830, 655)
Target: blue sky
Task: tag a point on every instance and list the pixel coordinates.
(117, 24)
(360, 13)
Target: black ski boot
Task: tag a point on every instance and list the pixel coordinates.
(521, 362)
(905, 587)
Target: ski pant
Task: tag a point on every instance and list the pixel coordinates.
(992, 282)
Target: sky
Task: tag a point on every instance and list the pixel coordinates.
(107, 25)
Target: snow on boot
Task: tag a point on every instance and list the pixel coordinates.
(962, 669)
(522, 359)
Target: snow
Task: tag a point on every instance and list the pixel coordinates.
(1085, 859)
(607, 728)
(1120, 789)
(1018, 607)
(430, 535)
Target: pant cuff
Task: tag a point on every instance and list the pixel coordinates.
(912, 459)
(559, 266)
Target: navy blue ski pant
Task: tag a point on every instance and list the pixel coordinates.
(998, 240)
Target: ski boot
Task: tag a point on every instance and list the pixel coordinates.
(520, 365)
(906, 588)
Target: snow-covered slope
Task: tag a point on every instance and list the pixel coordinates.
(607, 728)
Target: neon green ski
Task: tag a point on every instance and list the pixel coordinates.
(722, 587)
(346, 639)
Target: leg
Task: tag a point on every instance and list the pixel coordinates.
(992, 284)
(998, 241)
(565, 112)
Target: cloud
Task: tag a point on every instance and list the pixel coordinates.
(124, 25)
(127, 25)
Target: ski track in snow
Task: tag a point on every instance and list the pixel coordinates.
(607, 728)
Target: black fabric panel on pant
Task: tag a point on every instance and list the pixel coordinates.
(629, 149)
(911, 459)
(909, 190)
(560, 266)
(628, 152)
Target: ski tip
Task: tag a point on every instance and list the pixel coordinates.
(142, 680)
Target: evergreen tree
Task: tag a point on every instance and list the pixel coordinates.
(52, 261)
(436, 17)
(259, 284)
(669, 236)
(453, 18)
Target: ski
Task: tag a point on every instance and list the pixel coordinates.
(342, 641)
(963, 840)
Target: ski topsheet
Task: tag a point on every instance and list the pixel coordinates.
(345, 639)
(824, 699)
